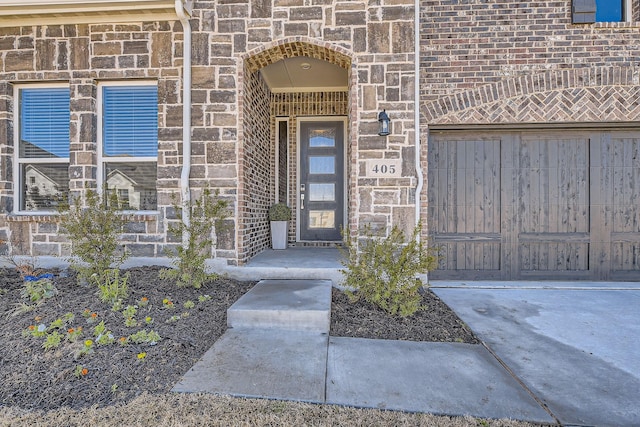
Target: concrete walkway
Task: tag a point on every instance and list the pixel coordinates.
(552, 354)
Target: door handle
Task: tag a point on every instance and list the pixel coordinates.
(301, 200)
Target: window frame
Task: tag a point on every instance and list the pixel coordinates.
(101, 158)
(19, 161)
(585, 12)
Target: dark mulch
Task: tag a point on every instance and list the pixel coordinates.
(37, 379)
(435, 322)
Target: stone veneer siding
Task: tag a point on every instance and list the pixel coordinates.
(231, 42)
(83, 56)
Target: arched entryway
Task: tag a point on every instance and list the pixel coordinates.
(295, 142)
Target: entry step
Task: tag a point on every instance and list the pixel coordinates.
(293, 305)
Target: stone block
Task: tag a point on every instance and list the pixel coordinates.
(261, 8)
(53, 31)
(401, 37)
(46, 249)
(20, 237)
(378, 37)
(19, 60)
(224, 50)
(135, 227)
(225, 234)
(161, 50)
(351, 19)
(46, 54)
(203, 76)
(291, 29)
(207, 134)
(7, 43)
(107, 48)
(229, 26)
(141, 250)
(47, 227)
(168, 91)
(221, 153)
(200, 49)
(404, 217)
(106, 62)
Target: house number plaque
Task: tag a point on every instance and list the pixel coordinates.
(377, 168)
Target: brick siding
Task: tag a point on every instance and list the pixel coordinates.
(511, 63)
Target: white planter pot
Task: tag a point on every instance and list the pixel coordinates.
(279, 231)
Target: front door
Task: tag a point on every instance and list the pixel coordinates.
(321, 188)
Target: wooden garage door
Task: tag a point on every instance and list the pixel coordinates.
(536, 205)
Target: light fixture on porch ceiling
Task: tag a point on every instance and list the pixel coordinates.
(384, 121)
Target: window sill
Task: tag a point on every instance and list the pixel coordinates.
(33, 217)
(54, 217)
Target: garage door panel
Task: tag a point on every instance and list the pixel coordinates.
(620, 192)
(464, 214)
(553, 257)
(553, 215)
(523, 204)
(625, 257)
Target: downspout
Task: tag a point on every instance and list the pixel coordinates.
(186, 116)
(416, 112)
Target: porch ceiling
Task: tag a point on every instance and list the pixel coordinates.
(304, 74)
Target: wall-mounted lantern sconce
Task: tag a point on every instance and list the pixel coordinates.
(384, 121)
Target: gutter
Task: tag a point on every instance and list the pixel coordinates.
(416, 112)
(180, 6)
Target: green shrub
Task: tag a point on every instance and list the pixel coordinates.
(189, 260)
(383, 270)
(113, 288)
(94, 230)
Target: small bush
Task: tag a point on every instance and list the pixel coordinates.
(383, 270)
(94, 230)
(189, 260)
(113, 288)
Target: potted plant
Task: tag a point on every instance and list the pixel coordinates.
(279, 215)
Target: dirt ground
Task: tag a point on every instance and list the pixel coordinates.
(119, 372)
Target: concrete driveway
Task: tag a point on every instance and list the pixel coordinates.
(574, 346)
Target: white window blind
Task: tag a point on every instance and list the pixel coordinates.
(130, 126)
(44, 123)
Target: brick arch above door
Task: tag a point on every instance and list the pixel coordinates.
(296, 46)
(602, 94)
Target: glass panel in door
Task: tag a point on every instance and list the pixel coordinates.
(321, 180)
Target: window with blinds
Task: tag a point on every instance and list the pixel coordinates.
(129, 143)
(43, 146)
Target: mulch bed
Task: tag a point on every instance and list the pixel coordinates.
(34, 378)
(436, 322)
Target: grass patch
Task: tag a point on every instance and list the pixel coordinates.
(210, 410)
